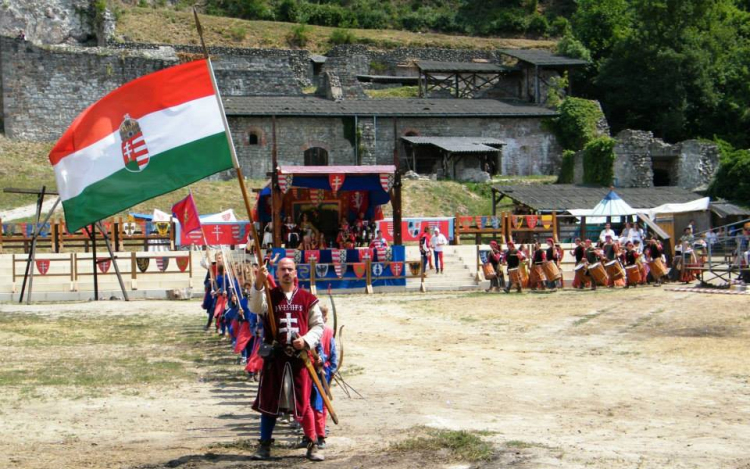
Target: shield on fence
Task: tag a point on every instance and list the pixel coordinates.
(465, 222)
(340, 269)
(303, 272)
(44, 230)
(479, 221)
(397, 268)
(495, 222)
(162, 227)
(359, 269)
(321, 270)
(42, 265)
(129, 228)
(364, 254)
(142, 263)
(516, 221)
(312, 254)
(389, 254)
(415, 267)
(386, 181)
(284, 183)
(531, 221)
(298, 257)
(290, 254)
(483, 256)
(546, 221)
(162, 263)
(103, 264)
(182, 263)
(412, 226)
(377, 269)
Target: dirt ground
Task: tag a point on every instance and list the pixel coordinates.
(615, 379)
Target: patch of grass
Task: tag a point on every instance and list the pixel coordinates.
(461, 445)
(399, 92)
(24, 165)
(309, 89)
(167, 26)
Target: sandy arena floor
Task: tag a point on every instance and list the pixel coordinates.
(612, 379)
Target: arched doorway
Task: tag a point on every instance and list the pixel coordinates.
(316, 156)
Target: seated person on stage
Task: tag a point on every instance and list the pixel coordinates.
(345, 239)
(291, 234)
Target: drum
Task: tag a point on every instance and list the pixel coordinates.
(658, 269)
(614, 270)
(551, 271)
(536, 276)
(524, 268)
(516, 276)
(580, 274)
(598, 273)
(633, 274)
(489, 271)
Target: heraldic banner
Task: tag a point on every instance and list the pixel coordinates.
(151, 136)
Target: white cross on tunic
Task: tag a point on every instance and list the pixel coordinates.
(288, 322)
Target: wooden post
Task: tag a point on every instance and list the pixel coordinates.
(190, 268)
(555, 229)
(13, 275)
(396, 190)
(313, 287)
(114, 261)
(75, 271)
(72, 272)
(457, 229)
(422, 286)
(368, 276)
(478, 259)
(134, 271)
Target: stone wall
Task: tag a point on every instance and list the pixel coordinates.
(45, 87)
(49, 21)
(691, 164)
(529, 149)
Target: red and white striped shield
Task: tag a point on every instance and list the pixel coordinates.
(290, 254)
(182, 263)
(133, 146)
(103, 264)
(339, 259)
(336, 181)
(285, 182)
(162, 263)
(42, 265)
(389, 228)
(397, 268)
(386, 181)
(479, 222)
(359, 269)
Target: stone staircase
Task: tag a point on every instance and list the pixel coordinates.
(459, 272)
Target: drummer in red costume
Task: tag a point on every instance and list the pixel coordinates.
(285, 384)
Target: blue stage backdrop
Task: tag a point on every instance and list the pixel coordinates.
(387, 270)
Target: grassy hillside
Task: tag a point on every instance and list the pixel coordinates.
(168, 26)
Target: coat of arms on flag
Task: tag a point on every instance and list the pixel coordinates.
(162, 263)
(386, 181)
(365, 254)
(133, 146)
(103, 264)
(285, 182)
(339, 261)
(377, 269)
(531, 221)
(42, 266)
(336, 181)
(397, 268)
(311, 255)
(412, 226)
(142, 263)
(182, 263)
(303, 272)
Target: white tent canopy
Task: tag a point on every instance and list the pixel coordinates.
(692, 206)
(610, 206)
(225, 216)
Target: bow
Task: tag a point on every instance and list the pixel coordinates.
(333, 307)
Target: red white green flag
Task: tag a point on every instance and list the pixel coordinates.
(151, 136)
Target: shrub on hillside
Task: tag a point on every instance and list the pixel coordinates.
(299, 35)
(342, 36)
(577, 123)
(567, 167)
(538, 26)
(598, 161)
(732, 179)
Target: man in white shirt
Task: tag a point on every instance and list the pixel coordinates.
(607, 231)
(438, 241)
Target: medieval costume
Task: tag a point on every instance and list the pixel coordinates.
(513, 258)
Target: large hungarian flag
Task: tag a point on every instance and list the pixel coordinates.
(151, 136)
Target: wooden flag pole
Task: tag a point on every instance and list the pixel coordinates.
(240, 178)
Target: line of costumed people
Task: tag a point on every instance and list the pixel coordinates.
(608, 263)
(236, 305)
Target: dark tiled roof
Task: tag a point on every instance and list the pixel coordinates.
(458, 67)
(542, 57)
(314, 106)
(458, 144)
(725, 209)
(561, 197)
